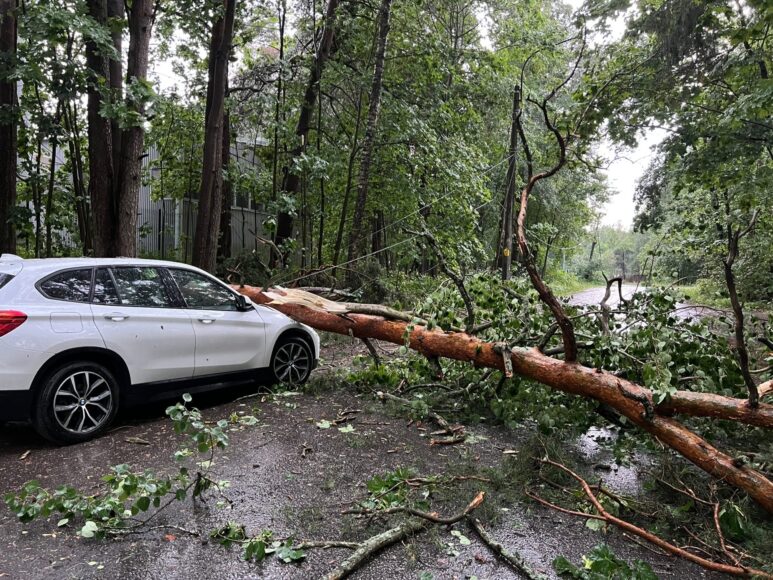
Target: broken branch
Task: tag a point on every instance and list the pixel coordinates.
(735, 570)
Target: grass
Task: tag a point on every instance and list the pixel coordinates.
(565, 284)
(701, 293)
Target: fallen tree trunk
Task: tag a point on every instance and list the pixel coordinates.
(629, 399)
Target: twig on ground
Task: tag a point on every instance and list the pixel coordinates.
(457, 430)
(380, 541)
(736, 570)
(372, 351)
(512, 559)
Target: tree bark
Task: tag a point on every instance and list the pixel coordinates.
(282, 17)
(116, 9)
(79, 189)
(133, 138)
(8, 125)
(211, 189)
(512, 172)
(358, 231)
(224, 237)
(101, 169)
(349, 177)
(629, 399)
(291, 183)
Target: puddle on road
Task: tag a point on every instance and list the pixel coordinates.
(593, 446)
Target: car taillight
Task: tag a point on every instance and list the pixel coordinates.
(10, 320)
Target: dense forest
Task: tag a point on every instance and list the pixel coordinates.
(350, 126)
(446, 161)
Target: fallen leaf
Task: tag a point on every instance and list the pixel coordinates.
(24, 455)
(170, 537)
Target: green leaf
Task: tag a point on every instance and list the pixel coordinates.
(288, 555)
(143, 503)
(89, 529)
(594, 524)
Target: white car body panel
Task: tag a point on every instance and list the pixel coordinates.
(228, 341)
(157, 344)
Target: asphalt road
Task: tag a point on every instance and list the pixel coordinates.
(290, 476)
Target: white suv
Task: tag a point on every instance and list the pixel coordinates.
(79, 336)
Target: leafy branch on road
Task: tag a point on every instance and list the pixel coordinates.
(128, 500)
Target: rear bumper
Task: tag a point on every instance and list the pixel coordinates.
(15, 405)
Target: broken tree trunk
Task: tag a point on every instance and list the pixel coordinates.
(629, 399)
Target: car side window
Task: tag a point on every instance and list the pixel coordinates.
(203, 293)
(4, 279)
(104, 288)
(141, 286)
(70, 285)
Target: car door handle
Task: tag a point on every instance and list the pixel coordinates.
(116, 317)
(206, 320)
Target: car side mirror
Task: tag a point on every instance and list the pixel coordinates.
(243, 304)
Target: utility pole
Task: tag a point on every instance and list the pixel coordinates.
(512, 173)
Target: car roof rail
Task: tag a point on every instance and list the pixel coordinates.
(10, 258)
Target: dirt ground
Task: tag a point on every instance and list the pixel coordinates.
(294, 478)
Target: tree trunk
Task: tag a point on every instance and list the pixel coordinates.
(629, 399)
(321, 234)
(50, 190)
(8, 125)
(512, 172)
(116, 9)
(101, 177)
(282, 8)
(224, 237)
(349, 177)
(133, 138)
(358, 231)
(79, 190)
(211, 189)
(291, 182)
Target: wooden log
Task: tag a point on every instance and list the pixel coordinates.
(629, 399)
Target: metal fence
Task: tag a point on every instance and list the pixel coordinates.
(166, 226)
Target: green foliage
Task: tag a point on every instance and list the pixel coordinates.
(125, 494)
(388, 489)
(602, 564)
(715, 165)
(259, 547)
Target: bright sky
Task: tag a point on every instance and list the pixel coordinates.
(624, 170)
(624, 166)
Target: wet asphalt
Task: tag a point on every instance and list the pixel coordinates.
(290, 476)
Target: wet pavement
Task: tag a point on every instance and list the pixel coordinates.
(594, 296)
(290, 476)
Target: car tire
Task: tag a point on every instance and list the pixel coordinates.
(77, 402)
(291, 362)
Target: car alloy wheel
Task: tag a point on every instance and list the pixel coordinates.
(83, 402)
(77, 402)
(292, 362)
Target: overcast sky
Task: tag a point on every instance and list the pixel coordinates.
(624, 170)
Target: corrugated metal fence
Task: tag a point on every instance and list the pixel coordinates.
(166, 226)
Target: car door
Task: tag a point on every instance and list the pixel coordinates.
(136, 311)
(227, 340)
